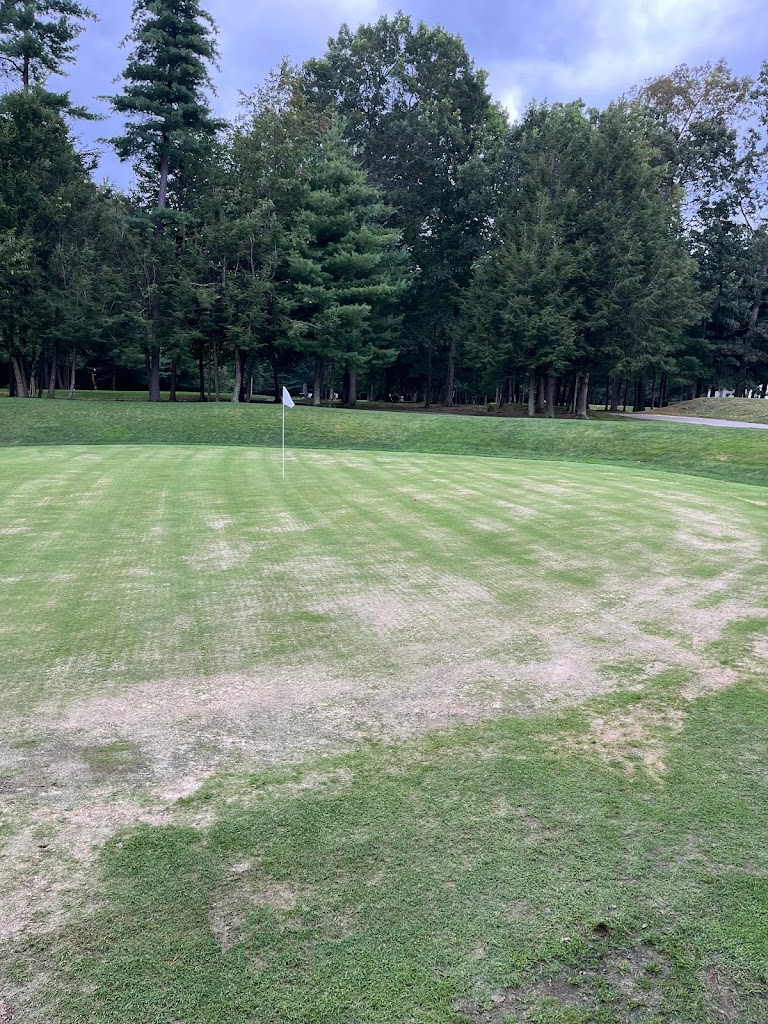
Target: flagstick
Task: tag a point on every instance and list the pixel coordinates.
(283, 440)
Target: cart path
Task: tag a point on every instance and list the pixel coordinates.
(690, 419)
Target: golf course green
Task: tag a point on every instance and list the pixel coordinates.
(472, 731)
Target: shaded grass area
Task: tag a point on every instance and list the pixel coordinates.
(488, 875)
(702, 451)
(744, 410)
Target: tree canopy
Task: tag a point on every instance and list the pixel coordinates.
(373, 225)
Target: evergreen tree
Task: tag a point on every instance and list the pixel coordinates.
(170, 129)
(44, 193)
(417, 114)
(37, 37)
(347, 270)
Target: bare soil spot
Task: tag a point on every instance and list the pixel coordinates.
(631, 983)
(240, 896)
(720, 994)
(633, 739)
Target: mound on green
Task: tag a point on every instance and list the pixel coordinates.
(302, 751)
(696, 450)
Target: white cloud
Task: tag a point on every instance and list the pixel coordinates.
(628, 42)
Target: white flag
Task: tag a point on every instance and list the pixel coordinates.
(287, 400)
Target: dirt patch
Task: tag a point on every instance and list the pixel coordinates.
(240, 897)
(629, 984)
(633, 739)
(720, 995)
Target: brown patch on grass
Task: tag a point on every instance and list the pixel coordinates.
(720, 995)
(630, 739)
(240, 895)
(467, 646)
(339, 778)
(630, 982)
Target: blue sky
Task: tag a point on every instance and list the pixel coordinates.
(547, 49)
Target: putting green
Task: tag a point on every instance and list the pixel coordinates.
(169, 613)
(367, 572)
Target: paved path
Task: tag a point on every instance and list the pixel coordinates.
(691, 419)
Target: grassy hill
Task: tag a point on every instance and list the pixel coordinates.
(740, 456)
(742, 410)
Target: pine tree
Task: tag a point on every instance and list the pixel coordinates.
(37, 37)
(44, 191)
(347, 269)
(170, 127)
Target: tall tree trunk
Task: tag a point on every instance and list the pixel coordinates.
(582, 403)
(626, 389)
(73, 374)
(238, 375)
(209, 375)
(317, 391)
(172, 394)
(428, 388)
(450, 372)
(551, 389)
(574, 395)
(19, 376)
(350, 387)
(246, 383)
(216, 381)
(699, 386)
(540, 399)
(154, 370)
(615, 392)
(639, 405)
(532, 395)
(162, 198)
(331, 393)
(201, 371)
(653, 391)
(52, 372)
(663, 391)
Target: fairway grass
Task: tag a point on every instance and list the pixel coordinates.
(403, 738)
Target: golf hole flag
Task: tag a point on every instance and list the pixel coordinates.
(287, 401)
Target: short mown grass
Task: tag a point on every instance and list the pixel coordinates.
(701, 451)
(402, 739)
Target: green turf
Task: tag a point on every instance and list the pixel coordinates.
(173, 611)
(745, 410)
(481, 876)
(703, 451)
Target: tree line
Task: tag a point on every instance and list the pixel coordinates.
(372, 225)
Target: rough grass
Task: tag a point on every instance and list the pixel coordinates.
(702, 451)
(301, 751)
(744, 410)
